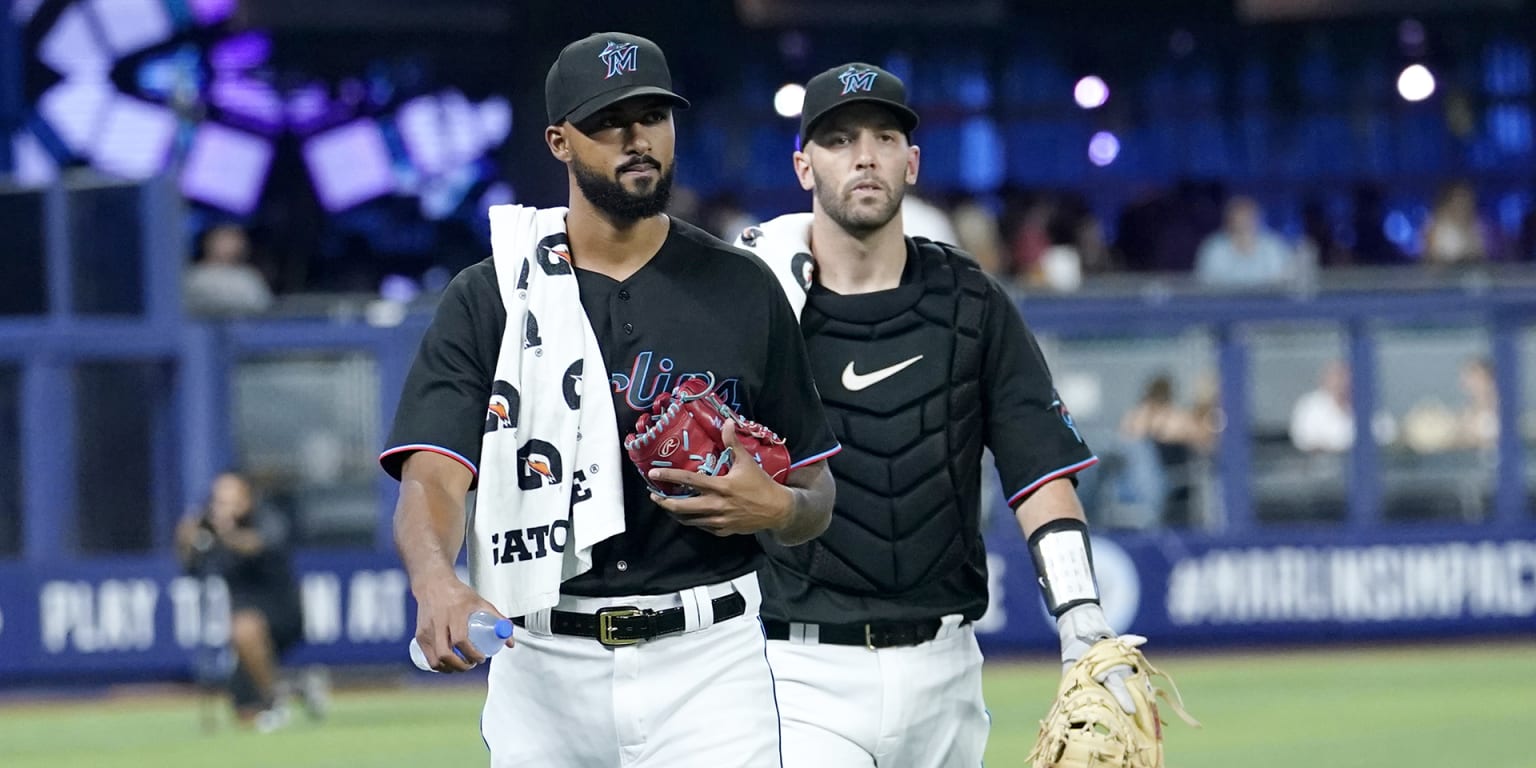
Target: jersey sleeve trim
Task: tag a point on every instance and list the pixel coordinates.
(1063, 472)
(412, 448)
(809, 460)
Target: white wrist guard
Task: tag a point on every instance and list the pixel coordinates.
(1061, 554)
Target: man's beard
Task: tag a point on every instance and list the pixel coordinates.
(860, 222)
(610, 196)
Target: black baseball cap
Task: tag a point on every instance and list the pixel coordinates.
(604, 68)
(851, 83)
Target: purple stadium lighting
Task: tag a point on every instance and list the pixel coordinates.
(135, 138)
(71, 48)
(131, 25)
(1103, 148)
(74, 109)
(34, 167)
(349, 165)
(226, 168)
(1091, 92)
(211, 11)
(22, 10)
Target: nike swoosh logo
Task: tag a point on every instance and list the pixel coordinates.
(853, 382)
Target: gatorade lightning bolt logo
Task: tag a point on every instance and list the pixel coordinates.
(501, 411)
(539, 464)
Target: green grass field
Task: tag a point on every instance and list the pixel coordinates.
(1460, 705)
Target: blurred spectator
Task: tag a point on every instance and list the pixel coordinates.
(1029, 238)
(1479, 418)
(1431, 427)
(1077, 246)
(921, 218)
(979, 233)
(1206, 411)
(247, 546)
(1159, 440)
(1061, 266)
(223, 282)
(1088, 233)
(1454, 234)
(1244, 253)
(1323, 420)
(1158, 418)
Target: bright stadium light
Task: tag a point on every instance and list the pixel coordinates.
(1416, 83)
(1103, 148)
(1091, 92)
(789, 99)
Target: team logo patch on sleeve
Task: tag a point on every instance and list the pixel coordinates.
(1066, 416)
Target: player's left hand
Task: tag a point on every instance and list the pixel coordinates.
(744, 500)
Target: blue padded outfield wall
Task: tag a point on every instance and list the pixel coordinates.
(143, 619)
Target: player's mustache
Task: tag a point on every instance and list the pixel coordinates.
(643, 161)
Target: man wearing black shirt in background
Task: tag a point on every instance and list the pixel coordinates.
(247, 546)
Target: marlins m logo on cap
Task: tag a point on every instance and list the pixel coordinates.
(620, 58)
(855, 80)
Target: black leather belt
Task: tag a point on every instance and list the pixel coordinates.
(881, 634)
(621, 625)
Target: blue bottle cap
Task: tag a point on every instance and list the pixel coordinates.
(504, 628)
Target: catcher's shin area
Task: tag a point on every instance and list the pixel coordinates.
(1087, 727)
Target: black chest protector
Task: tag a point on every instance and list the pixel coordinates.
(899, 372)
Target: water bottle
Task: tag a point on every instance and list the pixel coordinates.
(487, 634)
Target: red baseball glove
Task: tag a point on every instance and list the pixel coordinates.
(682, 431)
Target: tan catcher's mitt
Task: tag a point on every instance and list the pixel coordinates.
(1088, 728)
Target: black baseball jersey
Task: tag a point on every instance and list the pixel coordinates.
(916, 380)
(698, 306)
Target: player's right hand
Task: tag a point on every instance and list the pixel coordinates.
(443, 607)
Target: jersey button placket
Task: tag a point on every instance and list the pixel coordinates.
(623, 296)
